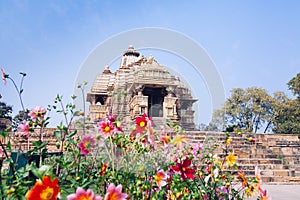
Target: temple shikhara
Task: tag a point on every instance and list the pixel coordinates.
(141, 85)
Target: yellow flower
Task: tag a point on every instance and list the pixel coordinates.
(179, 140)
(186, 190)
(170, 195)
(228, 141)
(231, 159)
(251, 190)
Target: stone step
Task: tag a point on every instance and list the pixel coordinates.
(261, 167)
(266, 173)
(256, 161)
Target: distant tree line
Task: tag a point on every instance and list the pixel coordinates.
(253, 109)
(5, 115)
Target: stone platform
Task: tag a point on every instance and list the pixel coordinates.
(276, 155)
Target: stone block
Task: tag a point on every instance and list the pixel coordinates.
(281, 172)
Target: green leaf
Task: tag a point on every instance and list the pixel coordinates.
(8, 145)
(37, 143)
(76, 113)
(3, 134)
(72, 134)
(58, 135)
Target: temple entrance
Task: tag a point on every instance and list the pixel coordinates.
(155, 100)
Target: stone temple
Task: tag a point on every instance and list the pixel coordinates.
(139, 86)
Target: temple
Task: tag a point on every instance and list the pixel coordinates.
(139, 86)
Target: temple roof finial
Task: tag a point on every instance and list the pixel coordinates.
(131, 52)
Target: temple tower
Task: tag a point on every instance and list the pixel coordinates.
(139, 86)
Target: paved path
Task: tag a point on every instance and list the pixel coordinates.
(283, 192)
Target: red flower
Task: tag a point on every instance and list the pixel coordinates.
(103, 169)
(251, 139)
(44, 190)
(137, 130)
(143, 121)
(183, 169)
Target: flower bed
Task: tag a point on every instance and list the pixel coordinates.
(113, 162)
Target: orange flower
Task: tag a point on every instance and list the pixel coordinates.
(165, 140)
(241, 176)
(44, 190)
(4, 76)
(258, 177)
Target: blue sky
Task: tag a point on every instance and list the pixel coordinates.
(252, 43)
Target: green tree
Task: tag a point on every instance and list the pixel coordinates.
(287, 121)
(5, 111)
(248, 109)
(5, 115)
(287, 117)
(253, 108)
(18, 119)
(294, 85)
(217, 122)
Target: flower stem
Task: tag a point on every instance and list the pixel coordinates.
(18, 91)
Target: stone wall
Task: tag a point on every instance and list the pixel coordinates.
(277, 155)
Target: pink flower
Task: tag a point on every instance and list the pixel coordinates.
(196, 149)
(82, 194)
(24, 128)
(115, 193)
(112, 118)
(263, 195)
(86, 145)
(258, 176)
(37, 113)
(160, 178)
(4, 76)
(106, 127)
